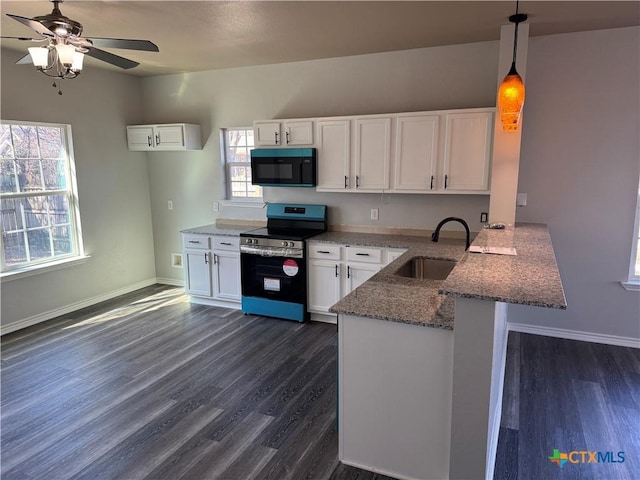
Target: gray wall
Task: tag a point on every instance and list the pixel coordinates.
(113, 185)
(580, 163)
(458, 76)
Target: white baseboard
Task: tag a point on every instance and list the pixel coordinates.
(575, 335)
(42, 317)
(170, 281)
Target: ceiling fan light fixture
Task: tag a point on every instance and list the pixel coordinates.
(511, 93)
(39, 56)
(65, 53)
(78, 59)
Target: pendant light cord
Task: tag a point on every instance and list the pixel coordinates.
(515, 40)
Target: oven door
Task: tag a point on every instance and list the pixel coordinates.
(274, 285)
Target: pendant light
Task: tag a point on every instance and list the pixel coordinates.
(511, 91)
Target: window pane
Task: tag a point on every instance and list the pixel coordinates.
(14, 248)
(6, 148)
(29, 175)
(7, 175)
(237, 155)
(255, 191)
(51, 145)
(235, 138)
(39, 244)
(239, 189)
(238, 173)
(25, 141)
(59, 210)
(250, 138)
(54, 174)
(35, 212)
(11, 216)
(62, 242)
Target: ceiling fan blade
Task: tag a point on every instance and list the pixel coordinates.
(144, 45)
(26, 60)
(34, 24)
(116, 60)
(27, 39)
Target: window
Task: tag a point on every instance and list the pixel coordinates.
(634, 267)
(40, 221)
(236, 145)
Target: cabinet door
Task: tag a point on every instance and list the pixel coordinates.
(357, 274)
(227, 275)
(198, 273)
(169, 137)
(467, 150)
(267, 133)
(323, 285)
(140, 137)
(373, 145)
(416, 153)
(334, 154)
(298, 133)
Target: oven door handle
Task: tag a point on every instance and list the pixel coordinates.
(264, 251)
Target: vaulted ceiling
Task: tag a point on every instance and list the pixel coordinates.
(208, 35)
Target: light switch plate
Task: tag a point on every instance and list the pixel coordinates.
(521, 200)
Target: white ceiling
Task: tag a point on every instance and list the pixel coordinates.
(208, 35)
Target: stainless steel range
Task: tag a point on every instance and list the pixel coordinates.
(273, 261)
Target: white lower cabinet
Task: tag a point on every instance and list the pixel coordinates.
(336, 270)
(212, 273)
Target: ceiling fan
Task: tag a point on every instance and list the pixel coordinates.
(64, 47)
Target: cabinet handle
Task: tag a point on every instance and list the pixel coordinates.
(215, 259)
(363, 254)
(157, 139)
(206, 258)
(346, 182)
(276, 137)
(225, 243)
(348, 271)
(323, 251)
(431, 182)
(336, 270)
(149, 139)
(357, 181)
(194, 241)
(446, 179)
(287, 133)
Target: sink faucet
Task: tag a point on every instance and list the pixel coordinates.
(436, 234)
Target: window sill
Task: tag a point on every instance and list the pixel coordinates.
(231, 203)
(42, 268)
(631, 285)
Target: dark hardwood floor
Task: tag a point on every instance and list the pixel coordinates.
(570, 396)
(149, 386)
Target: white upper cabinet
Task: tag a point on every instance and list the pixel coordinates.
(372, 152)
(467, 151)
(271, 133)
(416, 153)
(334, 154)
(168, 137)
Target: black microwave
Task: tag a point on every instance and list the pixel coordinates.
(283, 167)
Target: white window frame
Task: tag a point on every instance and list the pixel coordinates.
(226, 165)
(10, 272)
(633, 283)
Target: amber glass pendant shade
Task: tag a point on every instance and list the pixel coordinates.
(511, 99)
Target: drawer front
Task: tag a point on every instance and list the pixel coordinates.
(226, 243)
(324, 251)
(364, 254)
(196, 241)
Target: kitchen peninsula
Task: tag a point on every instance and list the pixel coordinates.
(420, 386)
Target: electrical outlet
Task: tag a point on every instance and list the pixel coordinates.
(484, 217)
(216, 207)
(374, 214)
(170, 204)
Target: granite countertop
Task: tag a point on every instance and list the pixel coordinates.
(530, 278)
(224, 230)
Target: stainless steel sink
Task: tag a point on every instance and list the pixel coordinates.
(426, 268)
